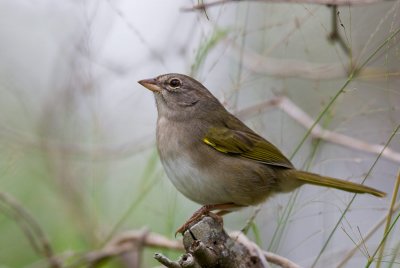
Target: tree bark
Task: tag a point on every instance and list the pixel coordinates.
(208, 245)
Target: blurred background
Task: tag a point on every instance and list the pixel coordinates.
(78, 163)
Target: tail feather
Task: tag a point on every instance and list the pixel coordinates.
(315, 179)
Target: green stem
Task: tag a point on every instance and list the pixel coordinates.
(352, 199)
(371, 259)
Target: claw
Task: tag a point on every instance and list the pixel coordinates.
(203, 211)
(193, 219)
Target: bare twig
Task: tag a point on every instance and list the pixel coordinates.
(203, 6)
(127, 242)
(335, 35)
(283, 68)
(166, 262)
(318, 132)
(148, 239)
(279, 260)
(305, 120)
(260, 64)
(270, 257)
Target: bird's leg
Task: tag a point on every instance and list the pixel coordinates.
(224, 212)
(207, 210)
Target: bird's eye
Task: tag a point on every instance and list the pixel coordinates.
(175, 82)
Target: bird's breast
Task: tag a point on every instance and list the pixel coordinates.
(197, 185)
(181, 153)
(205, 175)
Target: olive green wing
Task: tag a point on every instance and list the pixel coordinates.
(245, 144)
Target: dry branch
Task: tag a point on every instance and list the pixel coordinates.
(203, 6)
(208, 245)
(284, 68)
(130, 241)
(211, 245)
(291, 109)
(289, 67)
(269, 256)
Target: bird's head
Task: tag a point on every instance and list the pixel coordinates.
(179, 95)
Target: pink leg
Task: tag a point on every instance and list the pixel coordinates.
(206, 210)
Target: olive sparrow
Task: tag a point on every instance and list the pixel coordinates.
(214, 159)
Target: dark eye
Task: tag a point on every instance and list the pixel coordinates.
(175, 82)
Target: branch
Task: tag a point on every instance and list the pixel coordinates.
(335, 35)
(128, 242)
(208, 245)
(204, 6)
(290, 67)
(147, 239)
(291, 109)
(283, 68)
(269, 256)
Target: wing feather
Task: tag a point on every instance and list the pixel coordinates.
(245, 144)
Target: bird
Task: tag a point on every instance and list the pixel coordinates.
(214, 159)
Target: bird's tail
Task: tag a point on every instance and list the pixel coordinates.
(311, 178)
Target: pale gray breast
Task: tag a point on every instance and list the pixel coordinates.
(184, 171)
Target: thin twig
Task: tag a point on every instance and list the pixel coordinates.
(203, 6)
(166, 262)
(291, 109)
(279, 260)
(149, 240)
(269, 256)
(318, 132)
(335, 35)
(127, 242)
(283, 68)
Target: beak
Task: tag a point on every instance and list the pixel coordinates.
(151, 84)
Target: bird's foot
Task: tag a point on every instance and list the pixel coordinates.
(206, 211)
(195, 218)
